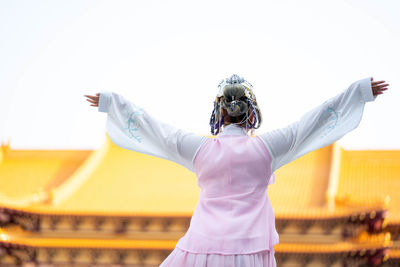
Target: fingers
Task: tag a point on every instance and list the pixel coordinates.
(378, 91)
(377, 82)
(381, 91)
(93, 99)
(94, 104)
(378, 86)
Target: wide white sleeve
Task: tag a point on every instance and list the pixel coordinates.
(131, 127)
(319, 127)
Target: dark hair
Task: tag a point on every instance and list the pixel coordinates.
(245, 107)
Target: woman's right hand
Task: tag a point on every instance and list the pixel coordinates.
(94, 99)
(378, 87)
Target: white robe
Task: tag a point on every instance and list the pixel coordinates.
(131, 127)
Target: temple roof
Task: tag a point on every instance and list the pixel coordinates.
(25, 173)
(370, 176)
(298, 187)
(112, 180)
(108, 181)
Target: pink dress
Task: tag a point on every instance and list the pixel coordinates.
(233, 223)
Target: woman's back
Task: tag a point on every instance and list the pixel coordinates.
(234, 214)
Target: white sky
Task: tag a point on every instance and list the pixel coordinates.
(169, 56)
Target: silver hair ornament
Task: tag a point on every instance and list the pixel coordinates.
(216, 120)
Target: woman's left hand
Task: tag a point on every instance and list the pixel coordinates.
(378, 87)
(94, 99)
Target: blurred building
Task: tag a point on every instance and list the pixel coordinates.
(115, 207)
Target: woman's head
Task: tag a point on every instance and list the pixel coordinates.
(235, 104)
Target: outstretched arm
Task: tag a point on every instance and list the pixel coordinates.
(131, 127)
(322, 125)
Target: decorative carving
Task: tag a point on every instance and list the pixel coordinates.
(50, 254)
(328, 227)
(281, 258)
(95, 255)
(3, 252)
(305, 226)
(30, 222)
(120, 257)
(122, 226)
(166, 224)
(72, 255)
(22, 254)
(142, 256)
(329, 260)
(54, 221)
(98, 223)
(163, 255)
(144, 224)
(281, 225)
(76, 222)
(306, 259)
(31, 253)
(5, 218)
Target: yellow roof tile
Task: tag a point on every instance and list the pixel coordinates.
(124, 182)
(26, 172)
(371, 177)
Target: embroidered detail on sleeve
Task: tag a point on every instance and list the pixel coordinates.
(132, 125)
(332, 121)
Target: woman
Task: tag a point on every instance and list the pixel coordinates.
(233, 223)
